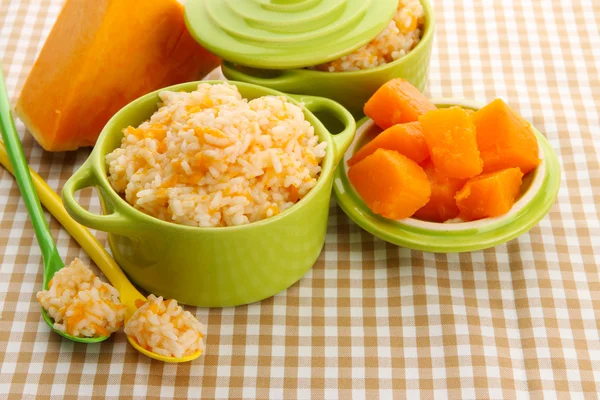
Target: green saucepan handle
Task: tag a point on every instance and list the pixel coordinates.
(342, 140)
(284, 81)
(85, 177)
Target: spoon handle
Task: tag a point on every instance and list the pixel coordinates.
(88, 242)
(21, 172)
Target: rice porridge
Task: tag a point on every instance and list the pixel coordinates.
(399, 37)
(211, 158)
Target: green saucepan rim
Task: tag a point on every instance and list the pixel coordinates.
(126, 219)
(458, 237)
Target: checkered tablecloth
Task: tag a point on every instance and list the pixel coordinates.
(371, 320)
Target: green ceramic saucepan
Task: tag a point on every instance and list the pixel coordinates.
(212, 267)
(351, 89)
(538, 193)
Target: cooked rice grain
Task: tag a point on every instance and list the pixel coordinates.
(164, 328)
(212, 158)
(401, 35)
(81, 304)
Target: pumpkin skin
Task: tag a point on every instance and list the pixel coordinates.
(101, 55)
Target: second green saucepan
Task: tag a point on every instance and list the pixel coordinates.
(351, 89)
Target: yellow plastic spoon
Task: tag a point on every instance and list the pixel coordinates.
(128, 293)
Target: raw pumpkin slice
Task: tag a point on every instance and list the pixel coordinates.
(441, 206)
(505, 139)
(392, 185)
(397, 102)
(99, 56)
(451, 138)
(489, 195)
(406, 139)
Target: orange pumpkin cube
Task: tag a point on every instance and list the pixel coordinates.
(505, 139)
(406, 139)
(441, 206)
(489, 195)
(397, 102)
(392, 185)
(452, 141)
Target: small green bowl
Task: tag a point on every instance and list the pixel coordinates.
(221, 266)
(351, 89)
(538, 193)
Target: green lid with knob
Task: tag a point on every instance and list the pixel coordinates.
(285, 34)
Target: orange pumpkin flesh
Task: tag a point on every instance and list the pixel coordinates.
(505, 139)
(99, 56)
(474, 161)
(441, 206)
(489, 195)
(406, 139)
(451, 138)
(397, 102)
(391, 184)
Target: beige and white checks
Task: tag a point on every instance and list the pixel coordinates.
(371, 320)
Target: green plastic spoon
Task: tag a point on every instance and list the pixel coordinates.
(52, 260)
